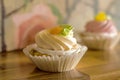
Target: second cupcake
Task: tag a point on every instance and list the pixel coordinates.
(100, 33)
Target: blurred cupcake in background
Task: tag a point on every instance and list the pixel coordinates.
(100, 33)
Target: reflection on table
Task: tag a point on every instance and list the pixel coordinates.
(95, 65)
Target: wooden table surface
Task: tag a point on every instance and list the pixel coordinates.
(95, 65)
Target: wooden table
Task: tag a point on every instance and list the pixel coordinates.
(95, 65)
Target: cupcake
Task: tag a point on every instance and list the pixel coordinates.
(55, 49)
(100, 33)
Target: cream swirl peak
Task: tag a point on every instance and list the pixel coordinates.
(101, 24)
(57, 38)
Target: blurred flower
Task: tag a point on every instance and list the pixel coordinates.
(28, 24)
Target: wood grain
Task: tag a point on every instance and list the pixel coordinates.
(95, 65)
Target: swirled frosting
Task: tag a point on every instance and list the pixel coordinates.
(101, 24)
(52, 40)
(101, 27)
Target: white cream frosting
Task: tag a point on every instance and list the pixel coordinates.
(46, 40)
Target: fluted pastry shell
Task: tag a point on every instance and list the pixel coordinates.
(55, 63)
(99, 41)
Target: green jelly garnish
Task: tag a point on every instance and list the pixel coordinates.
(66, 29)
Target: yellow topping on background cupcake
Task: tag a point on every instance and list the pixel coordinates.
(101, 17)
